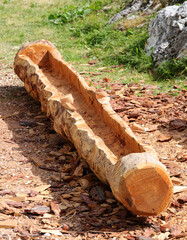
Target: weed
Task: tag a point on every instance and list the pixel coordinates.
(171, 68)
(6, 1)
(132, 53)
(71, 13)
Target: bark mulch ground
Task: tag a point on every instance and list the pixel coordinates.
(48, 192)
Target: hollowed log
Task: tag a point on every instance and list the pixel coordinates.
(84, 115)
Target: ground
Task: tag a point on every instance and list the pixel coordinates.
(47, 192)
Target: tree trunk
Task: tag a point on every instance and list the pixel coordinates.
(84, 115)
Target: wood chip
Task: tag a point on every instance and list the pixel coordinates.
(16, 199)
(53, 232)
(176, 180)
(37, 162)
(137, 128)
(178, 189)
(38, 209)
(41, 188)
(3, 216)
(39, 198)
(164, 138)
(8, 224)
(55, 208)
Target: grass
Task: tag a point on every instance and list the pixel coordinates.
(80, 31)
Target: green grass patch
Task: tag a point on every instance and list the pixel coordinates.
(80, 31)
(172, 68)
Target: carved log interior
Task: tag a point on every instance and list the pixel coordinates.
(84, 115)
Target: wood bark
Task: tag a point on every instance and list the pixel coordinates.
(84, 115)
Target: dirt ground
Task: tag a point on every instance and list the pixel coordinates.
(48, 192)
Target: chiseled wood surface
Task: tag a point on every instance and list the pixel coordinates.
(84, 115)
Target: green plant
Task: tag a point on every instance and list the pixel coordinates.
(132, 54)
(6, 1)
(171, 68)
(71, 13)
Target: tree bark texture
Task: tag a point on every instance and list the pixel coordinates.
(84, 115)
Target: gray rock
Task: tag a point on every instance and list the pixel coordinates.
(133, 7)
(168, 34)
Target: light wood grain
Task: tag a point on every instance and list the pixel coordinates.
(84, 115)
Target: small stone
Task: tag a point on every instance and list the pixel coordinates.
(163, 29)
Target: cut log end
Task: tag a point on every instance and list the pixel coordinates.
(142, 184)
(150, 190)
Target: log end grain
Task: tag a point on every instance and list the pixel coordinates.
(143, 186)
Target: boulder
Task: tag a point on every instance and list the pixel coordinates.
(168, 34)
(134, 7)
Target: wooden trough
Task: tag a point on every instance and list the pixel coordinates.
(84, 115)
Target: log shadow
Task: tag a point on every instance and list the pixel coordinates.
(54, 161)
